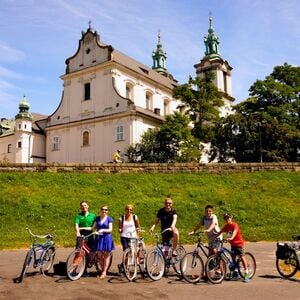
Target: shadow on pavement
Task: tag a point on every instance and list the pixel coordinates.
(279, 277)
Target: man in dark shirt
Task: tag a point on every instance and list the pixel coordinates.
(167, 216)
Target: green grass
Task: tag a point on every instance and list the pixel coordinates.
(265, 204)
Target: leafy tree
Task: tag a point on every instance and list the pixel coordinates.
(203, 101)
(265, 127)
(172, 142)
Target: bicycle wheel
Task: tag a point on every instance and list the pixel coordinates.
(251, 265)
(76, 263)
(192, 267)
(288, 267)
(129, 264)
(26, 264)
(177, 259)
(141, 260)
(215, 269)
(155, 264)
(47, 260)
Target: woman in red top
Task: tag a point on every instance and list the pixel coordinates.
(234, 236)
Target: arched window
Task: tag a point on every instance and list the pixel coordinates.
(149, 101)
(166, 107)
(85, 138)
(129, 91)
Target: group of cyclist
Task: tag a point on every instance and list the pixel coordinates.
(129, 226)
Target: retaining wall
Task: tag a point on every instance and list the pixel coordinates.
(151, 167)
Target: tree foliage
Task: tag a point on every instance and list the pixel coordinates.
(203, 100)
(172, 142)
(265, 127)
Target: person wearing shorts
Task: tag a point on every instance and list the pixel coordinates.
(211, 228)
(235, 238)
(167, 216)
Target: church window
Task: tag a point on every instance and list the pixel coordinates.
(166, 107)
(129, 91)
(149, 102)
(86, 138)
(87, 91)
(9, 148)
(225, 81)
(120, 133)
(56, 143)
(19, 144)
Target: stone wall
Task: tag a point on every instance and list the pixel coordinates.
(151, 168)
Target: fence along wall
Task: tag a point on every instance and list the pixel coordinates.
(151, 168)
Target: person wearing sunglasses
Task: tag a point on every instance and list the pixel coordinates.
(104, 243)
(167, 216)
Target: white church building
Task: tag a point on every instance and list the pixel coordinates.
(108, 101)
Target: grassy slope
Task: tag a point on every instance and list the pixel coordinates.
(265, 204)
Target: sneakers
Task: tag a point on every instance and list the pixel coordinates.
(234, 276)
(246, 277)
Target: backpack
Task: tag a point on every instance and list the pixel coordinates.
(134, 219)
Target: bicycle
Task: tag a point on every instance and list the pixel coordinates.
(221, 265)
(134, 258)
(288, 258)
(192, 265)
(82, 258)
(159, 260)
(42, 255)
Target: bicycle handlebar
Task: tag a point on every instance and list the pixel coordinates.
(196, 233)
(46, 236)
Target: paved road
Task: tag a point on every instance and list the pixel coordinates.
(267, 284)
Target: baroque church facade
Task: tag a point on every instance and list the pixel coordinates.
(108, 101)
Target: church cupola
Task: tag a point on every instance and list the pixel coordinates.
(24, 110)
(213, 62)
(211, 42)
(159, 58)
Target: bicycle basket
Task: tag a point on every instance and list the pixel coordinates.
(283, 251)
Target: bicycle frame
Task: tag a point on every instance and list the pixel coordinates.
(41, 254)
(82, 258)
(132, 257)
(200, 247)
(191, 265)
(159, 260)
(89, 254)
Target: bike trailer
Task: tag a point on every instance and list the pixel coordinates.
(283, 250)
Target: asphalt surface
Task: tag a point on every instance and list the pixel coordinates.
(267, 283)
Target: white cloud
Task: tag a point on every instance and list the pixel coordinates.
(8, 73)
(9, 54)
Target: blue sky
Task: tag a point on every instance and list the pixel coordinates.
(37, 36)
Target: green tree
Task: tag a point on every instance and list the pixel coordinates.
(172, 142)
(265, 127)
(203, 100)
